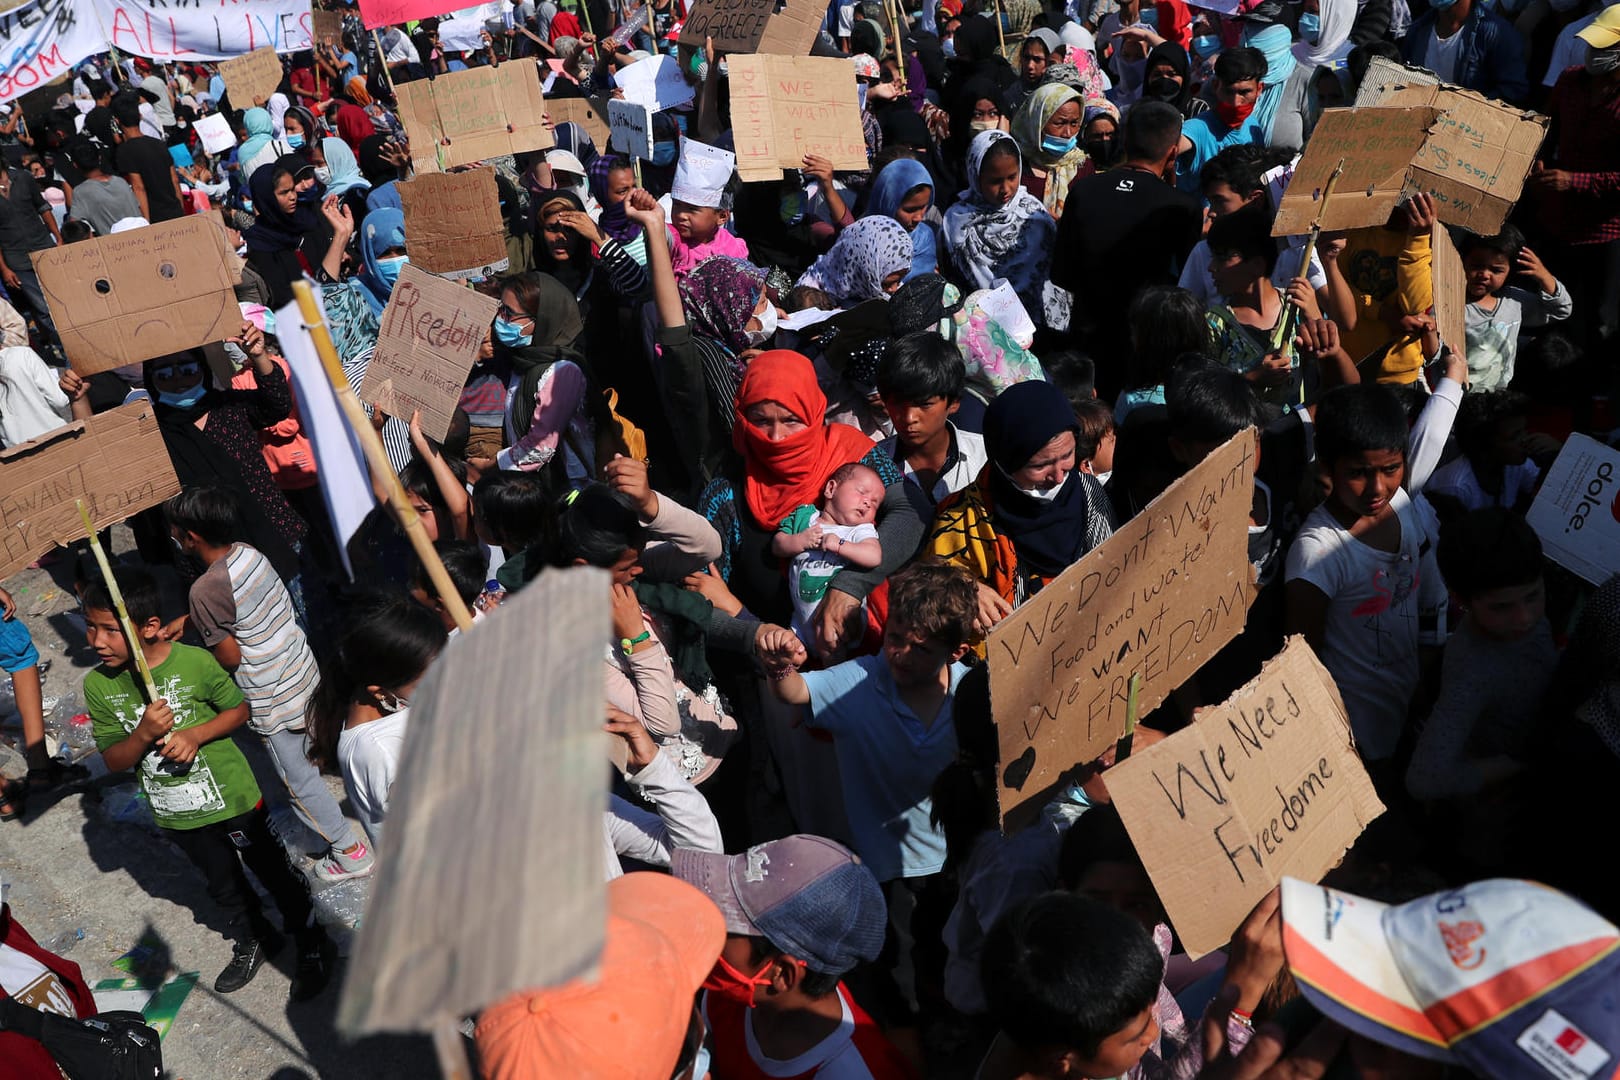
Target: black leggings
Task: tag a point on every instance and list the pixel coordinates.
(220, 849)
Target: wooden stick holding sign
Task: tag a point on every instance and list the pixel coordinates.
(377, 458)
(122, 612)
(1133, 698)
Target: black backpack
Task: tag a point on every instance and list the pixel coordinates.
(111, 1046)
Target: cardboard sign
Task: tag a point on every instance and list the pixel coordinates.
(454, 222)
(785, 107)
(251, 79)
(585, 112)
(454, 922)
(115, 461)
(655, 82)
(1577, 510)
(1264, 786)
(431, 331)
(473, 115)
(1158, 598)
(1450, 290)
(1377, 147)
(149, 292)
(1476, 157)
(1382, 73)
(326, 27)
(754, 26)
(631, 127)
(215, 132)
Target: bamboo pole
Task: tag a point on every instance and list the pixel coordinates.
(135, 652)
(377, 458)
(1122, 749)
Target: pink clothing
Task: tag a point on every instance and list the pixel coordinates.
(559, 402)
(687, 257)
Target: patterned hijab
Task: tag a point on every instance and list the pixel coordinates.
(1028, 126)
(1011, 240)
(866, 253)
(719, 296)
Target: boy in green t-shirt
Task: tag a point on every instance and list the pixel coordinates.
(197, 782)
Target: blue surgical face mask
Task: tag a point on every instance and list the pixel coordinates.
(511, 334)
(296, 141)
(185, 399)
(1206, 46)
(388, 269)
(948, 47)
(1310, 26)
(1054, 145)
(664, 153)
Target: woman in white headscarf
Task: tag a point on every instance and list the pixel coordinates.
(1324, 28)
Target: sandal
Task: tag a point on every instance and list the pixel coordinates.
(13, 799)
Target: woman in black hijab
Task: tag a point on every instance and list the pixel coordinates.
(1168, 77)
(298, 229)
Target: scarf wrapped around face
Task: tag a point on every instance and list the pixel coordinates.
(866, 253)
(1012, 240)
(614, 221)
(1028, 128)
(1048, 536)
(784, 475)
(719, 297)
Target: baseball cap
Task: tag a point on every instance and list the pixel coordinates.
(1604, 31)
(1509, 979)
(808, 896)
(568, 163)
(629, 1024)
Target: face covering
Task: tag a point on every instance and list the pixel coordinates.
(295, 141)
(977, 126)
(1054, 145)
(185, 399)
(948, 47)
(511, 335)
(1099, 149)
(1047, 496)
(767, 326)
(1231, 113)
(663, 153)
(1603, 61)
(1206, 45)
(733, 985)
(1310, 26)
(323, 174)
(1162, 88)
(388, 269)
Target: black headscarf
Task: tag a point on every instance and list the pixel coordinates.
(273, 228)
(1170, 53)
(557, 327)
(1048, 536)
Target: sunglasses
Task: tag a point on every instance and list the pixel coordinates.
(177, 371)
(511, 314)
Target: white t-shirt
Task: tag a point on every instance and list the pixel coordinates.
(811, 572)
(398, 46)
(1442, 55)
(369, 757)
(31, 983)
(1456, 479)
(1196, 280)
(1370, 642)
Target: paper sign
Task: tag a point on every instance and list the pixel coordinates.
(431, 331)
(1450, 290)
(582, 111)
(1476, 157)
(1002, 304)
(454, 922)
(454, 222)
(149, 292)
(1376, 146)
(1158, 598)
(1382, 73)
(785, 107)
(251, 79)
(1264, 786)
(376, 14)
(326, 27)
(655, 82)
(473, 115)
(754, 26)
(631, 126)
(115, 461)
(215, 132)
(463, 29)
(1577, 510)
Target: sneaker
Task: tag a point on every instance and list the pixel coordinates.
(247, 956)
(340, 866)
(314, 968)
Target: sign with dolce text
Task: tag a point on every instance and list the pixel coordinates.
(754, 26)
(631, 127)
(1156, 599)
(1577, 510)
(1263, 786)
(251, 79)
(473, 115)
(431, 331)
(454, 222)
(786, 107)
(115, 461)
(148, 292)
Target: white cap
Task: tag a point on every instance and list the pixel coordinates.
(562, 159)
(702, 175)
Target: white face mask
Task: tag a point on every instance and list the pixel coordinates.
(1047, 496)
(323, 174)
(767, 325)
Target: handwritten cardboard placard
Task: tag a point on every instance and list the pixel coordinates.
(1266, 785)
(453, 222)
(1450, 290)
(1158, 598)
(1382, 73)
(115, 461)
(148, 292)
(1476, 157)
(587, 113)
(1377, 147)
(630, 124)
(431, 331)
(473, 115)
(446, 877)
(754, 26)
(326, 27)
(251, 79)
(1577, 510)
(785, 107)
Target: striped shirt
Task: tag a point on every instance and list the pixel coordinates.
(241, 596)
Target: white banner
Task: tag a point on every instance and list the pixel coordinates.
(42, 40)
(460, 31)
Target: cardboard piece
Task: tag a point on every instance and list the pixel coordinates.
(215, 132)
(473, 115)
(1266, 785)
(655, 82)
(454, 923)
(1450, 290)
(1382, 73)
(326, 27)
(431, 331)
(630, 124)
(1476, 157)
(1577, 510)
(115, 461)
(587, 113)
(453, 222)
(125, 298)
(785, 107)
(754, 26)
(251, 79)
(1158, 598)
(1377, 147)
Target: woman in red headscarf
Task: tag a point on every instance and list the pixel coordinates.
(786, 452)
